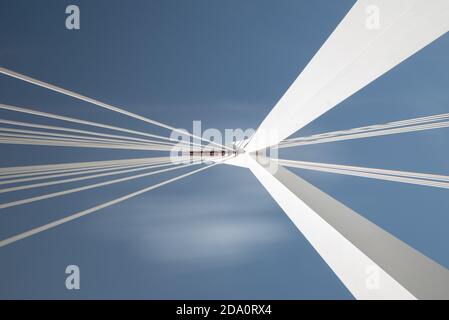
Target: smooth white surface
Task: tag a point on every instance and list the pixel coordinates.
(352, 57)
(350, 264)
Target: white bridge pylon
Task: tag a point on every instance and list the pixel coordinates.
(355, 54)
(370, 262)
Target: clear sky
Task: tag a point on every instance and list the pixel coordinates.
(217, 234)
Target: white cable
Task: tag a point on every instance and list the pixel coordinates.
(70, 172)
(98, 103)
(80, 214)
(95, 176)
(88, 187)
(394, 124)
(378, 176)
(89, 123)
(372, 170)
(83, 138)
(92, 133)
(75, 165)
(48, 142)
(93, 142)
(413, 128)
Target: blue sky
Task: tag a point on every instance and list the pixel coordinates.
(217, 234)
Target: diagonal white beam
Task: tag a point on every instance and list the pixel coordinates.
(357, 52)
(356, 250)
